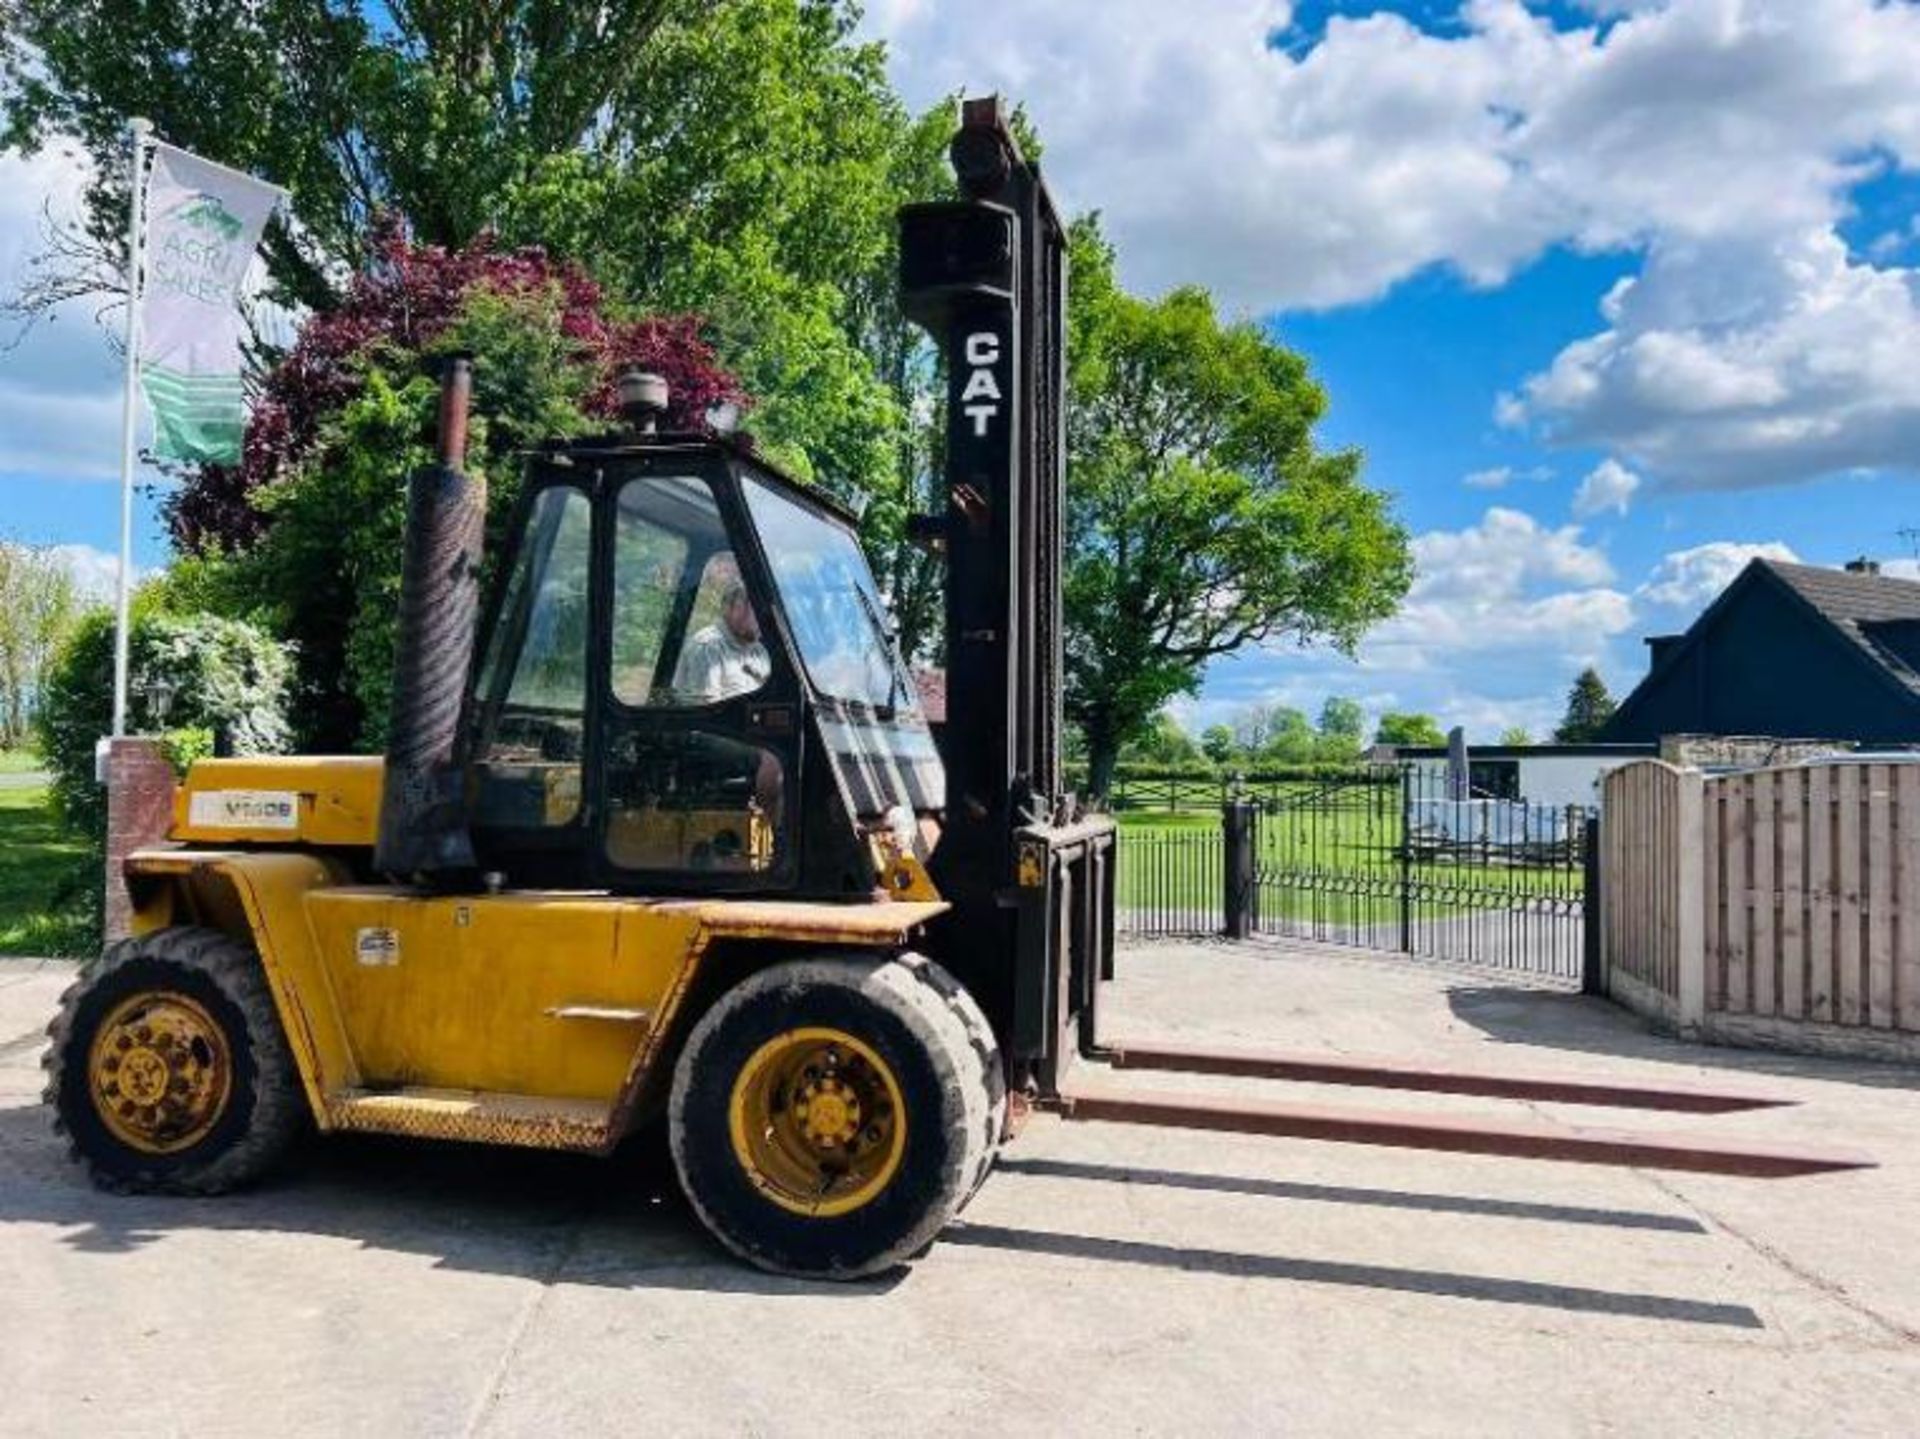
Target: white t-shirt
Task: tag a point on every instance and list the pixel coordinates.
(715, 665)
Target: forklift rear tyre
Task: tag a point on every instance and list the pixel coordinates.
(829, 1116)
(168, 1072)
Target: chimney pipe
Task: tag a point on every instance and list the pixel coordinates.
(456, 396)
(424, 835)
(1863, 566)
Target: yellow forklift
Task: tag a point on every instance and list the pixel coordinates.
(662, 832)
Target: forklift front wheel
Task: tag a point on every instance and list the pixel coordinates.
(829, 1116)
(167, 1070)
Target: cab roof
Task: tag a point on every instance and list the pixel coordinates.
(624, 444)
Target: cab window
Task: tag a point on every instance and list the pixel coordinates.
(533, 680)
(683, 794)
(685, 630)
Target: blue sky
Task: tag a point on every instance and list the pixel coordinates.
(1614, 294)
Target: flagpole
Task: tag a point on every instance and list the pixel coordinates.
(137, 132)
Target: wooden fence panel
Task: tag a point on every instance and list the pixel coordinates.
(1906, 914)
(1715, 898)
(1738, 844)
(1820, 890)
(1766, 954)
(1847, 908)
(1790, 792)
(1641, 902)
(1879, 899)
(1784, 896)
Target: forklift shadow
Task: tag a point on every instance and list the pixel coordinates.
(1557, 1019)
(1441, 1283)
(553, 1218)
(621, 1223)
(1354, 1194)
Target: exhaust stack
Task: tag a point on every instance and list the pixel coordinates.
(424, 834)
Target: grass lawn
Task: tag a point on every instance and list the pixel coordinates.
(20, 761)
(1337, 865)
(38, 859)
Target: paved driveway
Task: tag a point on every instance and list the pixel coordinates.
(1108, 1280)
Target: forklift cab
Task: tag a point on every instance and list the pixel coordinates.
(687, 685)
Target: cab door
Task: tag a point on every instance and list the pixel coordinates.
(700, 720)
(530, 726)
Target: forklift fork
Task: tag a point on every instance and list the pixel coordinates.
(1065, 905)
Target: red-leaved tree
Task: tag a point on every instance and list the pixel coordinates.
(405, 300)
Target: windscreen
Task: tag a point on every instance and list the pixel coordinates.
(832, 603)
(879, 739)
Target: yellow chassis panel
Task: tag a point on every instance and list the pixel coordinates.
(527, 1017)
(333, 799)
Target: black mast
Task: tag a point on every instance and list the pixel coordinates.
(986, 277)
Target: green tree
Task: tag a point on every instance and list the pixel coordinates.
(1166, 742)
(1290, 740)
(1202, 518)
(1516, 737)
(740, 160)
(333, 588)
(1589, 707)
(38, 605)
(1343, 729)
(1397, 728)
(217, 674)
(1218, 744)
(761, 156)
(440, 110)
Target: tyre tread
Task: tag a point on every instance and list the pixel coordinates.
(278, 1105)
(919, 993)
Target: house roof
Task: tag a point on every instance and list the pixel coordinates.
(1877, 615)
(1869, 609)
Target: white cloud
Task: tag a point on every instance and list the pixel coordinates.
(1506, 610)
(1505, 613)
(1503, 555)
(1293, 168)
(72, 434)
(59, 380)
(1609, 485)
(96, 573)
(1739, 363)
(1688, 579)
(1499, 477)
(31, 188)
(1321, 169)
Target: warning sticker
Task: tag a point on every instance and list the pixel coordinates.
(377, 946)
(245, 809)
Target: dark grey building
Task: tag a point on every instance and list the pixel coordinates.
(1789, 651)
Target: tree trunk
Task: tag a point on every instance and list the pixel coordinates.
(1102, 755)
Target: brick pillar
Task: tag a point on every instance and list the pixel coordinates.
(139, 810)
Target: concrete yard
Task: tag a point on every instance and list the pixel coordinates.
(1108, 1280)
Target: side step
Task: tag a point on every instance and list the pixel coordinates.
(1386, 1074)
(1462, 1136)
(477, 1116)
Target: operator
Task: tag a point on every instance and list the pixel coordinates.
(724, 658)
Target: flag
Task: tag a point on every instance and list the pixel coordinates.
(203, 227)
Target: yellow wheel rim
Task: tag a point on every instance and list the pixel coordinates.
(817, 1121)
(160, 1071)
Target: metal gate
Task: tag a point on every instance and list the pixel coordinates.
(1386, 859)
